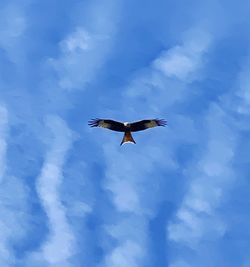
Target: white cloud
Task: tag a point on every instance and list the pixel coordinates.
(197, 218)
(176, 63)
(120, 182)
(14, 217)
(3, 143)
(244, 89)
(85, 49)
(12, 27)
(183, 61)
(126, 177)
(127, 254)
(14, 22)
(83, 54)
(79, 39)
(5, 254)
(59, 246)
(126, 180)
(165, 82)
(13, 200)
(125, 196)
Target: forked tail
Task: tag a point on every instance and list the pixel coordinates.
(127, 138)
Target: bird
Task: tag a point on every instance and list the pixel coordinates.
(127, 127)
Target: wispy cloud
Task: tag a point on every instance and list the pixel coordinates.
(79, 40)
(197, 217)
(81, 57)
(3, 143)
(126, 185)
(59, 246)
(183, 61)
(13, 25)
(13, 200)
(165, 82)
(127, 254)
(5, 253)
(244, 85)
(83, 51)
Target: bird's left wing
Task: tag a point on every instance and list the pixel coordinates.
(145, 124)
(109, 124)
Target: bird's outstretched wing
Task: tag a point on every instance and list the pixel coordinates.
(109, 124)
(145, 124)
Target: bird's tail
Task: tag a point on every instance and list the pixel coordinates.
(127, 138)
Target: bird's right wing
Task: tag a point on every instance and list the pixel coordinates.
(146, 124)
(109, 124)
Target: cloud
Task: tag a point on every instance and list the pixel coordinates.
(125, 183)
(59, 246)
(79, 39)
(13, 200)
(165, 81)
(85, 49)
(14, 212)
(197, 219)
(243, 85)
(183, 61)
(125, 198)
(82, 56)
(127, 254)
(12, 27)
(5, 231)
(3, 143)
(15, 219)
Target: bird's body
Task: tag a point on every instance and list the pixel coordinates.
(127, 127)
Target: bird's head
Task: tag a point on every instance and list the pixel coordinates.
(126, 124)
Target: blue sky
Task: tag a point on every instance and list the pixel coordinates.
(70, 195)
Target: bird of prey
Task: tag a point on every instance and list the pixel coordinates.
(127, 127)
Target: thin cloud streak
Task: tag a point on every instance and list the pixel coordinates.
(3, 143)
(59, 246)
(4, 249)
(213, 174)
(243, 91)
(13, 200)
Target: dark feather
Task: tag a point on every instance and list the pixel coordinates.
(145, 124)
(109, 124)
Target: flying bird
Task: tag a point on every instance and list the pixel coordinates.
(127, 127)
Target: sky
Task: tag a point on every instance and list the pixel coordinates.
(70, 195)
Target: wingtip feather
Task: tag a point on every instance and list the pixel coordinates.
(161, 122)
(93, 122)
